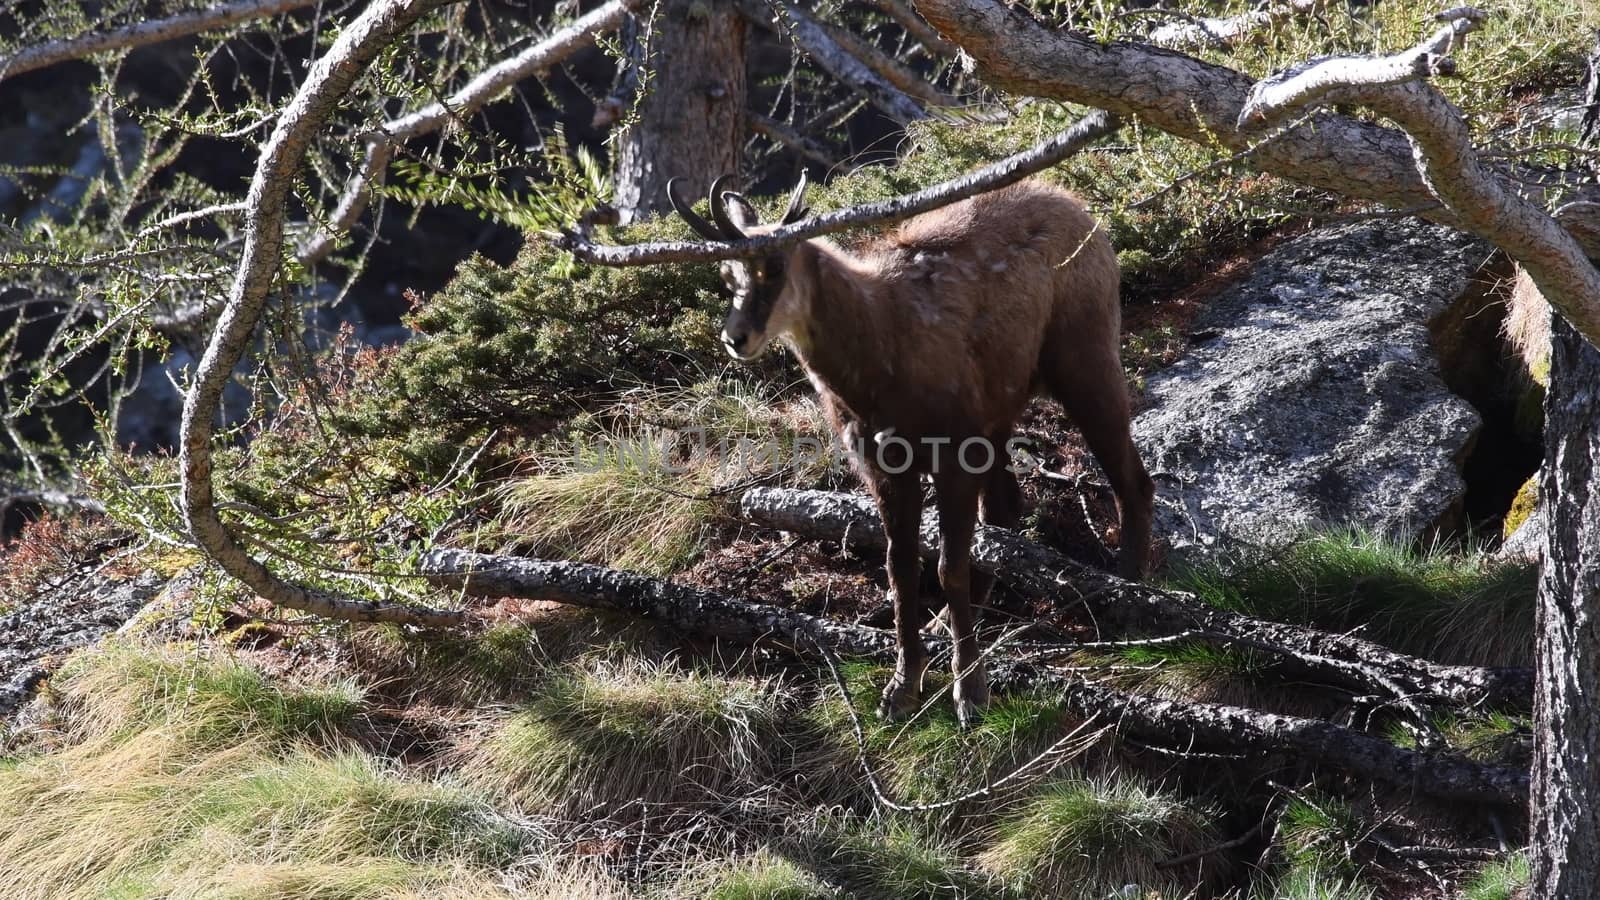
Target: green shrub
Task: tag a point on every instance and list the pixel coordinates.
(522, 347)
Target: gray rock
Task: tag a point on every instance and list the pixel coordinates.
(1313, 396)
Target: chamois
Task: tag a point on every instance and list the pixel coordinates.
(926, 344)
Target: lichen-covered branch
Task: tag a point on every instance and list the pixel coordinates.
(474, 95)
(1128, 607)
(1193, 726)
(1010, 170)
(141, 34)
(324, 87)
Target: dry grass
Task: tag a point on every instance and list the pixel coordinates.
(639, 485)
(613, 733)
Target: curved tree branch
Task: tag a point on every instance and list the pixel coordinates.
(481, 90)
(324, 87)
(1185, 97)
(1441, 145)
(1010, 170)
(140, 34)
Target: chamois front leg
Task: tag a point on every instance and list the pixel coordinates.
(958, 513)
(900, 506)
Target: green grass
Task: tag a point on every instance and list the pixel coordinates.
(1088, 838)
(1488, 737)
(931, 759)
(614, 733)
(1317, 833)
(1500, 880)
(1454, 606)
(759, 876)
(1308, 883)
(891, 858)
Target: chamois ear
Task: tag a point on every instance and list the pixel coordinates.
(740, 211)
(797, 202)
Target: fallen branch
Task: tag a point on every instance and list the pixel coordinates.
(1128, 607)
(141, 34)
(1193, 725)
(1010, 170)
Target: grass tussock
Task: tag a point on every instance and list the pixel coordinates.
(639, 485)
(1090, 838)
(1319, 833)
(760, 876)
(122, 689)
(1507, 879)
(894, 857)
(1454, 606)
(151, 816)
(614, 733)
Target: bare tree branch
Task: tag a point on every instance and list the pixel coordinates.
(897, 73)
(1010, 170)
(802, 144)
(324, 87)
(481, 90)
(915, 26)
(1183, 96)
(809, 35)
(140, 34)
(1442, 147)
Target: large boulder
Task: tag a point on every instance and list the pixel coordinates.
(1312, 395)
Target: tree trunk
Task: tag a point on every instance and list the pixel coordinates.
(1566, 770)
(688, 81)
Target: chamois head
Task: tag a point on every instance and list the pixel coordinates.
(763, 295)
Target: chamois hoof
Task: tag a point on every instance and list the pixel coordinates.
(971, 698)
(900, 700)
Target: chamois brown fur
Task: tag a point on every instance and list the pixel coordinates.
(934, 334)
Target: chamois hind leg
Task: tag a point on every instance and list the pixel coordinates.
(900, 507)
(1001, 507)
(958, 514)
(1092, 388)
